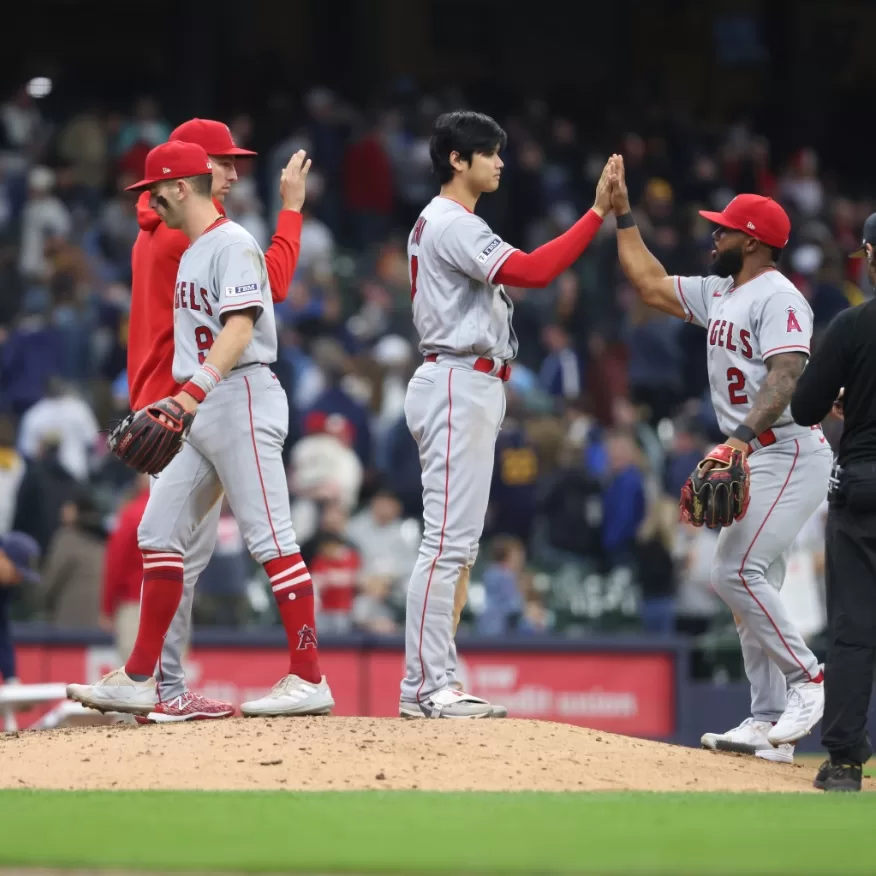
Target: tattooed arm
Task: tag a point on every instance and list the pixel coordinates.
(774, 396)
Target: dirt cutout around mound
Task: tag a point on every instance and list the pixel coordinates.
(337, 754)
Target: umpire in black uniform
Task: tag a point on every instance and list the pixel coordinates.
(842, 375)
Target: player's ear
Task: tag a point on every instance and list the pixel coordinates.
(456, 161)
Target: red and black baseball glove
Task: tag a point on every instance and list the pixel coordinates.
(148, 440)
(717, 492)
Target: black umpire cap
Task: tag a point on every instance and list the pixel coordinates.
(868, 236)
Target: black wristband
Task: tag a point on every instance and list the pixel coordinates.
(744, 433)
(626, 221)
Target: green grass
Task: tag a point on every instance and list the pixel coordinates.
(416, 832)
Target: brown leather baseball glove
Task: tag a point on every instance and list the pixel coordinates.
(717, 492)
(148, 439)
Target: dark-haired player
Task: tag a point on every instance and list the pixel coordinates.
(456, 399)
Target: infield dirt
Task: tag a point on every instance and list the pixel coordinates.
(320, 754)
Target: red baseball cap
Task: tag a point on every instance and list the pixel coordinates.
(173, 161)
(759, 217)
(214, 137)
(318, 422)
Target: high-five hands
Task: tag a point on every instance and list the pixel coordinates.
(620, 199)
(602, 204)
(611, 190)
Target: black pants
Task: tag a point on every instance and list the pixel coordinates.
(851, 614)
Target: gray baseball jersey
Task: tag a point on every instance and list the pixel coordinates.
(453, 258)
(223, 271)
(236, 440)
(454, 414)
(745, 327)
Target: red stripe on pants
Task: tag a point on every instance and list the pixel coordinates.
(745, 558)
(443, 527)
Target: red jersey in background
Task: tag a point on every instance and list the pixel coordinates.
(154, 264)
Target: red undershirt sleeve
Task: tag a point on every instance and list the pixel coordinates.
(534, 270)
(281, 256)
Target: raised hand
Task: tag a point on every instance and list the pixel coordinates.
(602, 204)
(620, 199)
(293, 180)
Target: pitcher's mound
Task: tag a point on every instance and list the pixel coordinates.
(364, 753)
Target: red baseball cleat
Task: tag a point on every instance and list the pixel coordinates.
(187, 707)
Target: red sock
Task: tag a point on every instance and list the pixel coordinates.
(293, 591)
(162, 591)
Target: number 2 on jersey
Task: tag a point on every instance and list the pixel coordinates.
(203, 341)
(736, 387)
(414, 267)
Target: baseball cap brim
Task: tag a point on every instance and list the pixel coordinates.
(720, 219)
(859, 253)
(148, 183)
(235, 150)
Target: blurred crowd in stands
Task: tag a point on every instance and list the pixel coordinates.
(608, 407)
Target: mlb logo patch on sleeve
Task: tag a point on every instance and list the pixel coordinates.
(490, 248)
(231, 291)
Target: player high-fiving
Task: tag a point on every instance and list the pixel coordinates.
(758, 329)
(455, 402)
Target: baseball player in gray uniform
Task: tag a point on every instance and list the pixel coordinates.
(758, 330)
(225, 338)
(455, 401)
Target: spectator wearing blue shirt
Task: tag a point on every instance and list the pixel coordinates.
(688, 449)
(655, 363)
(504, 604)
(623, 499)
(562, 373)
(30, 357)
(19, 554)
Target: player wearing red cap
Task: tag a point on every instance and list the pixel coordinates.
(758, 333)
(225, 340)
(155, 261)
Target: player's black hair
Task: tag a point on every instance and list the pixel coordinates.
(776, 253)
(466, 133)
(202, 184)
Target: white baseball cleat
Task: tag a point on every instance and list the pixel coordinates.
(292, 696)
(750, 737)
(498, 711)
(117, 692)
(783, 753)
(447, 703)
(804, 710)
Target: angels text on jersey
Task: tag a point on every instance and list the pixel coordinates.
(222, 272)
